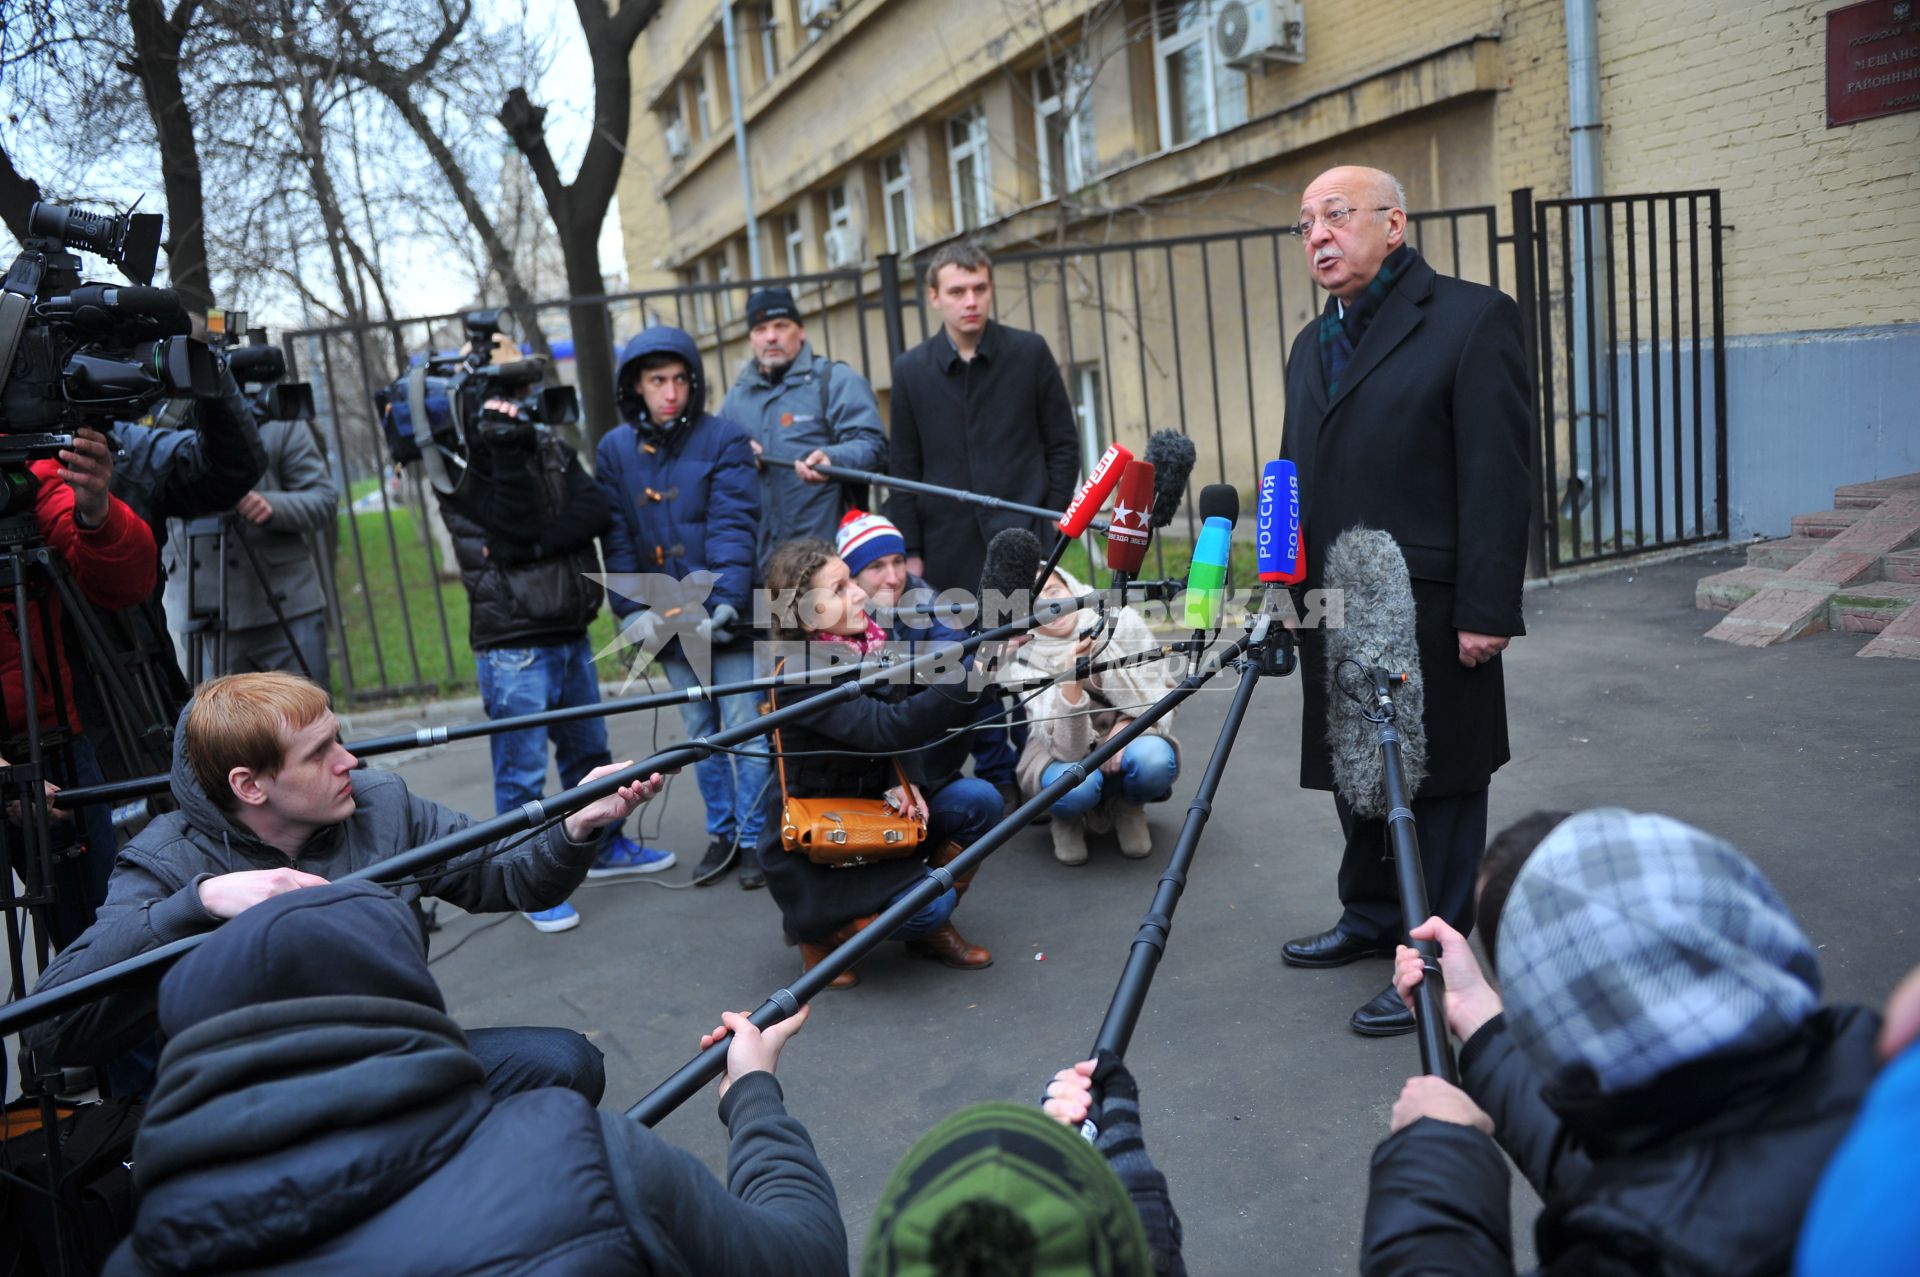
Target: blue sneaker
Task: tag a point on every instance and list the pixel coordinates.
(562, 917)
(624, 856)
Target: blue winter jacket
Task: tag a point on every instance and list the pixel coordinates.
(685, 497)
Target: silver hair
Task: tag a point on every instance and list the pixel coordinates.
(1399, 193)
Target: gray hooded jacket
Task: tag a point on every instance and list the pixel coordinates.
(153, 897)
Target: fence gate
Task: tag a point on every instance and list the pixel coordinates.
(1632, 374)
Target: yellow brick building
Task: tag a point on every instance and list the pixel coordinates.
(877, 126)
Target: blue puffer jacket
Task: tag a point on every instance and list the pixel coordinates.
(685, 496)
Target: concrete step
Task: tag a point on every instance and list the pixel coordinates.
(1827, 523)
(1902, 566)
(1870, 608)
(1864, 496)
(1782, 554)
(1724, 591)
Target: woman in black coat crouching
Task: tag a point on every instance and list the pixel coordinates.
(871, 747)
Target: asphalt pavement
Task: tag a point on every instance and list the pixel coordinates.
(1260, 1105)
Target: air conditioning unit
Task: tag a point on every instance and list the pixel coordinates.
(843, 247)
(677, 145)
(819, 14)
(1249, 32)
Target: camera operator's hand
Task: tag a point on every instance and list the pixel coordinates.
(53, 812)
(615, 807)
(718, 627)
(1470, 1000)
(1429, 1096)
(255, 509)
(230, 895)
(88, 468)
(753, 1050)
(804, 467)
(644, 632)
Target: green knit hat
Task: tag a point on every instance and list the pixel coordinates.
(1003, 1189)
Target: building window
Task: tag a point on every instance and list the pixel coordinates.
(967, 169)
(896, 193)
(769, 47)
(719, 271)
(1063, 124)
(1083, 381)
(796, 238)
(673, 130)
(702, 119)
(1199, 96)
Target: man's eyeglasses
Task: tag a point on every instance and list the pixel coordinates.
(1333, 217)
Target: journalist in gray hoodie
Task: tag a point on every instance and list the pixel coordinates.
(270, 802)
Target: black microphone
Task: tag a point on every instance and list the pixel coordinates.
(1377, 630)
(1172, 455)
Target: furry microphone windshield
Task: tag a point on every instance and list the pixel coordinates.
(1367, 566)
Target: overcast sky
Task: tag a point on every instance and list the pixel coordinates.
(421, 282)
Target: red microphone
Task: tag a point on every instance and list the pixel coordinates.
(1094, 492)
(1129, 533)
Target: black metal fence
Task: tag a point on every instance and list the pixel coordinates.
(1189, 333)
(1632, 374)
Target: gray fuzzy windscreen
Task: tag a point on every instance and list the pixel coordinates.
(1366, 564)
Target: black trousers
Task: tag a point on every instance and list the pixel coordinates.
(1452, 833)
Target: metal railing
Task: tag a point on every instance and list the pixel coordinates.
(1632, 374)
(1189, 333)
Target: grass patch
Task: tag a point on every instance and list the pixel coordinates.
(407, 596)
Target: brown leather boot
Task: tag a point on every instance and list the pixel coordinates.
(811, 956)
(950, 949)
(944, 855)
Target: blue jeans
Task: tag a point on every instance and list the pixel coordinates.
(530, 680)
(525, 1059)
(1147, 769)
(733, 787)
(960, 811)
(996, 747)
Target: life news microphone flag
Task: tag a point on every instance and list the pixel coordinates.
(1129, 534)
(1086, 504)
(1280, 543)
(1094, 492)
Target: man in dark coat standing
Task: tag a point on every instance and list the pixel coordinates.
(980, 407)
(1408, 407)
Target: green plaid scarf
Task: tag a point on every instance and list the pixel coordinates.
(1341, 334)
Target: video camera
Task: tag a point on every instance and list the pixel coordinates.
(261, 370)
(451, 403)
(74, 353)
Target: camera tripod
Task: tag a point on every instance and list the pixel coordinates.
(206, 628)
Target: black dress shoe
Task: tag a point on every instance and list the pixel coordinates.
(1331, 948)
(750, 875)
(1384, 1017)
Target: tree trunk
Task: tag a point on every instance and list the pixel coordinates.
(18, 194)
(157, 40)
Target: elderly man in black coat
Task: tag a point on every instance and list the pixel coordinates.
(1408, 407)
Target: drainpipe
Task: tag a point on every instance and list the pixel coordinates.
(1591, 394)
(740, 140)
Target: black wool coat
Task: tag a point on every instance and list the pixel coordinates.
(847, 750)
(999, 425)
(1426, 439)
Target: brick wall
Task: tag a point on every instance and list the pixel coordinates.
(1825, 223)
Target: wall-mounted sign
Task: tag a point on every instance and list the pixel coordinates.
(1873, 60)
